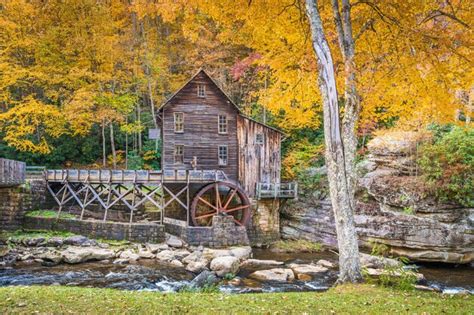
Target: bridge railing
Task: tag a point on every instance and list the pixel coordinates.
(12, 173)
(134, 176)
(277, 190)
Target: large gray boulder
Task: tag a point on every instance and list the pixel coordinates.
(275, 274)
(76, 255)
(225, 265)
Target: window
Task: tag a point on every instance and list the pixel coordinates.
(259, 138)
(179, 154)
(178, 122)
(222, 155)
(222, 122)
(201, 90)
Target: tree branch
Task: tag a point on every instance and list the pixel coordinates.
(437, 13)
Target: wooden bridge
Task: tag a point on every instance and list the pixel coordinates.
(212, 192)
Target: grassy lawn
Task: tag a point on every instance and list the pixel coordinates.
(357, 299)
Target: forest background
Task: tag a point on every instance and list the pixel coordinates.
(79, 80)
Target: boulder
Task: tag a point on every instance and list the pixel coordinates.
(210, 253)
(121, 261)
(181, 253)
(54, 257)
(378, 272)
(303, 270)
(155, 248)
(174, 241)
(224, 265)
(260, 264)
(196, 266)
(241, 252)
(377, 262)
(54, 242)
(176, 263)
(205, 278)
(325, 263)
(145, 254)
(166, 255)
(129, 255)
(193, 257)
(275, 274)
(75, 254)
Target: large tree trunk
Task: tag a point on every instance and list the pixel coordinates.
(351, 96)
(339, 181)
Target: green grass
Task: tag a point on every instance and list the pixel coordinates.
(294, 246)
(25, 234)
(49, 214)
(348, 299)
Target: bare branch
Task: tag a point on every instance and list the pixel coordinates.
(437, 13)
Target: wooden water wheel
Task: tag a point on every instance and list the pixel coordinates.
(220, 198)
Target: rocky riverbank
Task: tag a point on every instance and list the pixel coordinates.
(393, 208)
(233, 267)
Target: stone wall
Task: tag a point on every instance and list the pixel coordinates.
(223, 232)
(264, 227)
(135, 232)
(15, 201)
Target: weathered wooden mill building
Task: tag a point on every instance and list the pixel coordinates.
(219, 167)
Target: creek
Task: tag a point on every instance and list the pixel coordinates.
(153, 276)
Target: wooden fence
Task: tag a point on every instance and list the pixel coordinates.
(12, 173)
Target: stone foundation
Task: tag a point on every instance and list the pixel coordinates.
(15, 201)
(223, 232)
(264, 227)
(135, 232)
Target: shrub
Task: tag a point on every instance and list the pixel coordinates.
(448, 165)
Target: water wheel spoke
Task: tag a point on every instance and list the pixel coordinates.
(206, 215)
(230, 198)
(207, 203)
(236, 208)
(218, 196)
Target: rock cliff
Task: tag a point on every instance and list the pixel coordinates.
(393, 208)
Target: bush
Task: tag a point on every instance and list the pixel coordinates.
(448, 166)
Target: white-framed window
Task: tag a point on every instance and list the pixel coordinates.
(222, 155)
(179, 154)
(179, 122)
(222, 124)
(259, 138)
(201, 90)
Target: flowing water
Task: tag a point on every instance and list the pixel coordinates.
(150, 275)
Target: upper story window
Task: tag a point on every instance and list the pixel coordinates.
(222, 124)
(222, 155)
(179, 154)
(178, 122)
(259, 138)
(201, 90)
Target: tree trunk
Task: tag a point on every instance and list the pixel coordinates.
(339, 180)
(104, 157)
(139, 133)
(112, 146)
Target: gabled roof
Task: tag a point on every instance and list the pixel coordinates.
(221, 90)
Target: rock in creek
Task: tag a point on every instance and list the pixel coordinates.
(224, 265)
(307, 269)
(196, 266)
(275, 274)
(205, 278)
(259, 264)
(75, 255)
